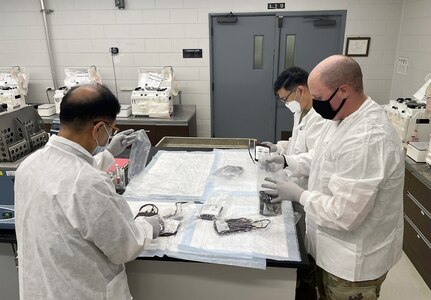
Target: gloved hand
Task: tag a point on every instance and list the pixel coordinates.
(157, 224)
(273, 163)
(272, 147)
(121, 141)
(284, 190)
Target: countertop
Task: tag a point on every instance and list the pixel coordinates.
(8, 235)
(300, 226)
(181, 117)
(421, 170)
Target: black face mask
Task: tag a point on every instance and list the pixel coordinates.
(323, 107)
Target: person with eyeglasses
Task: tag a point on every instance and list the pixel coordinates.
(73, 230)
(294, 155)
(354, 200)
(291, 88)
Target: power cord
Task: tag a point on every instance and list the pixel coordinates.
(114, 51)
(47, 94)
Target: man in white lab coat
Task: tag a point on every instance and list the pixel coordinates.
(353, 205)
(291, 88)
(74, 232)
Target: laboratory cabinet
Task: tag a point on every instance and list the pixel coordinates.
(417, 217)
(157, 132)
(182, 123)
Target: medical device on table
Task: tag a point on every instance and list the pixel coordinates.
(266, 208)
(13, 87)
(21, 133)
(170, 223)
(257, 150)
(73, 77)
(228, 226)
(154, 95)
(210, 212)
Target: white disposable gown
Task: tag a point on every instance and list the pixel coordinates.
(354, 205)
(304, 136)
(74, 232)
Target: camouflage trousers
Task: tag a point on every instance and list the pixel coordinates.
(331, 287)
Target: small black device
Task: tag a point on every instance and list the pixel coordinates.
(120, 4)
(114, 50)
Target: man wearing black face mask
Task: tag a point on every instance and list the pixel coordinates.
(343, 83)
(324, 107)
(353, 205)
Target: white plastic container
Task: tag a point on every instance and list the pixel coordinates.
(125, 111)
(417, 151)
(46, 110)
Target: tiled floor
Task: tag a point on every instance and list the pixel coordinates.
(404, 282)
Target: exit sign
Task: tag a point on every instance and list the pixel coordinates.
(280, 5)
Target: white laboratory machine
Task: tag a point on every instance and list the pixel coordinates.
(73, 77)
(428, 158)
(13, 87)
(21, 133)
(410, 118)
(154, 95)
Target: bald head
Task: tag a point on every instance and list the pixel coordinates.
(82, 94)
(85, 104)
(337, 70)
(336, 87)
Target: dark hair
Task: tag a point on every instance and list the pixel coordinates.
(86, 103)
(290, 78)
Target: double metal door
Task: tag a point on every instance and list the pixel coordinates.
(248, 51)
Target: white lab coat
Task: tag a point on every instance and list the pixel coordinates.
(354, 205)
(74, 232)
(304, 136)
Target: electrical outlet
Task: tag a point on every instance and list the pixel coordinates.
(402, 65)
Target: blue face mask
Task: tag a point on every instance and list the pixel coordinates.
(100, 148)
(323, 107)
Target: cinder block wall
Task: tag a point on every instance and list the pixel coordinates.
(154, 32)
(415, 45)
